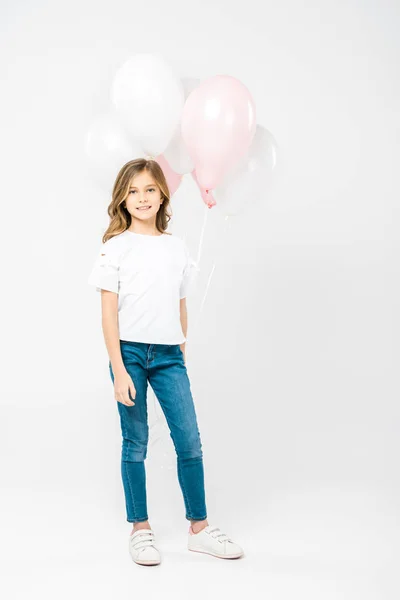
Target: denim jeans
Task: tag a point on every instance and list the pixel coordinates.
(164, 367)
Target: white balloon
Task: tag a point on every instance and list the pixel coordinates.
(149, 99)
(247, 182)
(108, 148)
(176, 153)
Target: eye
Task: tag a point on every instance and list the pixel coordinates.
(131, 192)
(151, 189)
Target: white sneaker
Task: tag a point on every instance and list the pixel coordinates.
(142, 548)
(211, 540)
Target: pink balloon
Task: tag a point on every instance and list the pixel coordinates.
(218, 124)
(173, 179)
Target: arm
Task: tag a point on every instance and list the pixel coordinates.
(184, 323)
(109, 322)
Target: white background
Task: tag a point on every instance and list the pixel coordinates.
(293, 362)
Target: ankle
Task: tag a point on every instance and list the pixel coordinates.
(140, 525)
(197, 526)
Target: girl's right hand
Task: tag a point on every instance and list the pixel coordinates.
(123, 384)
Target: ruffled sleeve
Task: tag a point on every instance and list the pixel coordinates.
(105, 271)
(190, 273)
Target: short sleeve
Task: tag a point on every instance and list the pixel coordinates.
(190, 273)
(105, 271)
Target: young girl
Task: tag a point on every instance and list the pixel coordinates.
(143, 274)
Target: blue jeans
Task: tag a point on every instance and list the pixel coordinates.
(164, 367)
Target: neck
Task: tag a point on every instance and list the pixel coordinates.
(143, 228)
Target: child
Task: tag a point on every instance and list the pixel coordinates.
(143, 284)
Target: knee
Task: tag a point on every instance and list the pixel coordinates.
(134, 451)
(190, 450)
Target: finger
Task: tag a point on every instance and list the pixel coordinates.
(122, 398)
(127, 399)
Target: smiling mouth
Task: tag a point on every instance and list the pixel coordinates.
(143, 208)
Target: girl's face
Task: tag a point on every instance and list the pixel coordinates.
(143, 192)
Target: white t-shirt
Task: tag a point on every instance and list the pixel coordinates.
(150, 274)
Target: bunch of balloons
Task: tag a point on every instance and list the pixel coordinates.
(206, 129)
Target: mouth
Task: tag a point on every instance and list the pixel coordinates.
(143, 208)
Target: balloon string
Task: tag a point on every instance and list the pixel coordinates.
(227, 223)
(203, 228)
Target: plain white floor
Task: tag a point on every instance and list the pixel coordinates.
(306, 544)
(293, 357)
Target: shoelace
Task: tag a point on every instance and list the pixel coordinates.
(142, 540)
(221, 537)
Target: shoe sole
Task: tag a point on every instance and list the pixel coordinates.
(217, 555)
(146, 562)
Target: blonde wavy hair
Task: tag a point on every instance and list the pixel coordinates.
(120, 218)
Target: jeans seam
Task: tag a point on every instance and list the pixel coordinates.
(130, 486)
(183, 488)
